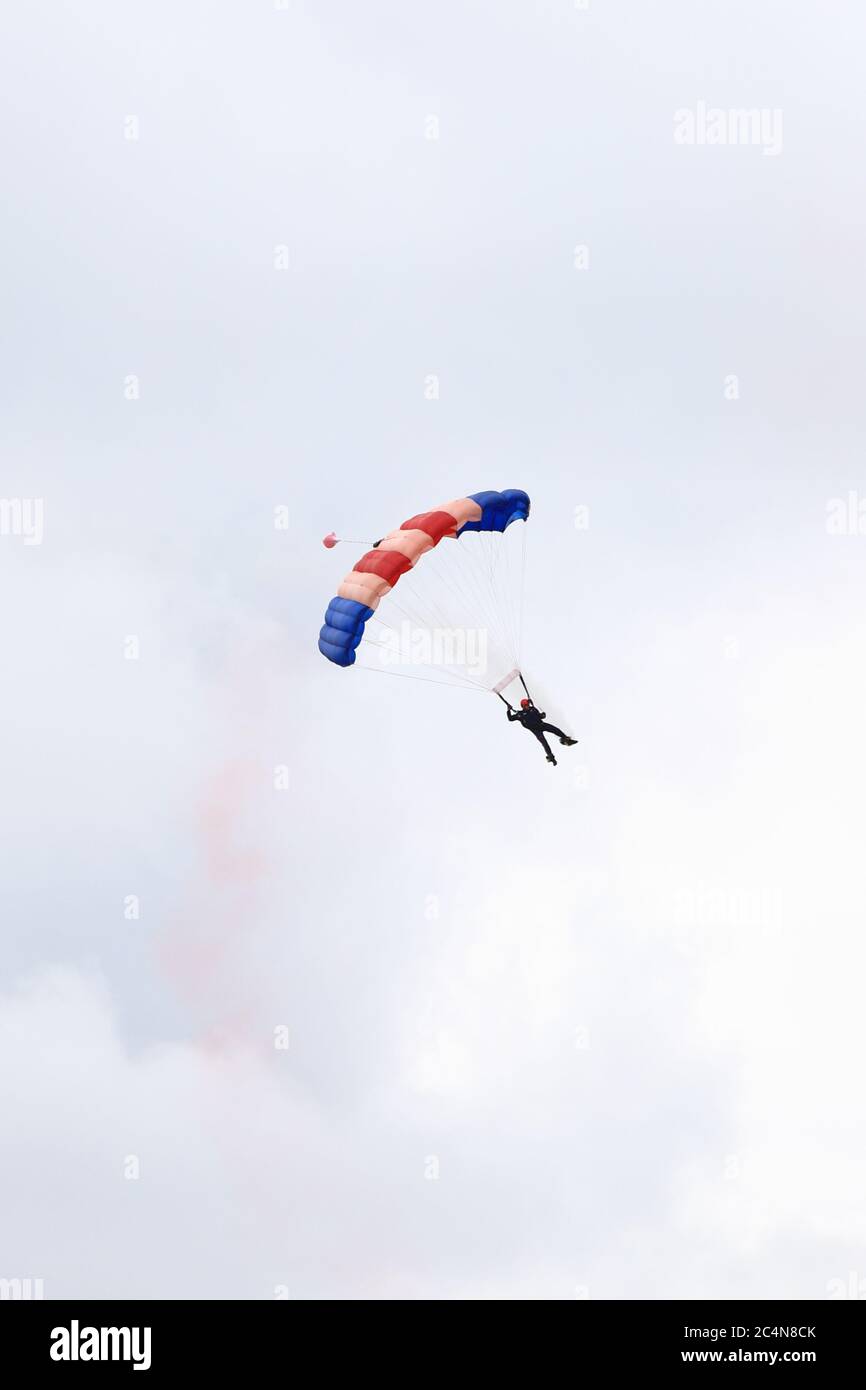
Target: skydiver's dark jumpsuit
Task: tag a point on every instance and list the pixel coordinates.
(533, 719)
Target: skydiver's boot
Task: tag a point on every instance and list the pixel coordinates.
(568, 742)
(545, 745)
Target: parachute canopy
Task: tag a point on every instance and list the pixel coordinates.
(466, 603)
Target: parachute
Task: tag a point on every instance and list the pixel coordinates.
(457, 615)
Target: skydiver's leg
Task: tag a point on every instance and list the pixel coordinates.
(563, 738)
(545, 745)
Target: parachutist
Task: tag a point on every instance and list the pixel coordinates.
(533, 719)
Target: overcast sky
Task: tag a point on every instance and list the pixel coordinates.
(591, 1031)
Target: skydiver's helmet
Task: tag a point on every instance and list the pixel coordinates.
(524, 704)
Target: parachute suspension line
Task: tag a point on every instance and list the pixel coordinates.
(522, 591)
(483, 578)
(433, 569)
(425, 608)
(451, 678)
(420, 600)
(429, 680)
(496, 565)
(500, 563)
(507, 577)
(515, 571)
(453, 581)
(485, 549)
(488, 557)
(481, 561)
(475, 595)
(440, 619)
(515, 586)
(455, 674)
(454, 566)
(458, 577)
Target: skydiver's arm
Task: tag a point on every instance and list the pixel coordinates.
(511, 715)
